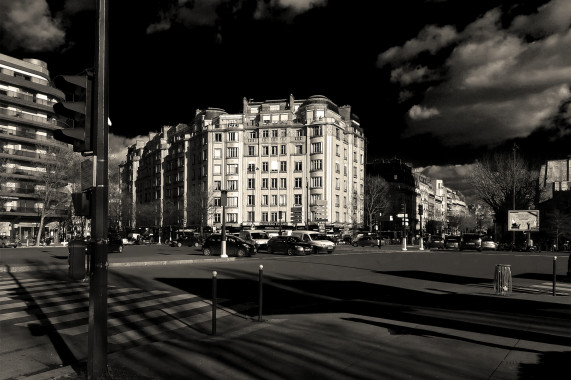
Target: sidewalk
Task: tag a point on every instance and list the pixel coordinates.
(388, 338)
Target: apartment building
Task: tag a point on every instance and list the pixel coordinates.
(27, 122)
(274, 155)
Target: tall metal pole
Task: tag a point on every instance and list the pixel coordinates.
(97, 334)
(513, 193)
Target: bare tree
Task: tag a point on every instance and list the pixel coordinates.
(496, 177)
(201, 208)
(56, 179)
(377, 197)
(558, 224)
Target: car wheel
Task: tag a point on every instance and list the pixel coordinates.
(120, 249)
(270, 251)
(290, 252)
(354, 244)
(206, 252)
(241, 253)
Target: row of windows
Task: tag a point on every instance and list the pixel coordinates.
(273, 216)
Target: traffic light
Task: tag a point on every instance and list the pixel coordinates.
(79, 109)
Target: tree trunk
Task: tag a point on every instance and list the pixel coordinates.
(41, 228)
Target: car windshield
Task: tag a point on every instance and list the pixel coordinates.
(259, 235)
(319, 237)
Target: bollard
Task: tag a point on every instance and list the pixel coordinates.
(260, 293)
(214, 303)
(554, 275)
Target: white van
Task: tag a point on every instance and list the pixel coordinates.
(318, 240)
(257, 237)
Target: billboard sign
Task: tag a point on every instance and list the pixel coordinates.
(523, 220)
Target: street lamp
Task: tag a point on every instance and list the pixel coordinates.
(420, 210)
(515, 147)
(223, 202)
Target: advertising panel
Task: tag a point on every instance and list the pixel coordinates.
(523, 220)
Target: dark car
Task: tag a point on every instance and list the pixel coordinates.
(471, 241)
(8, 242)
(366, 241)
(115, 244)
(187, 240)
(452, 242)
(488, 244)
(234, 246)
(434, 242)
(289, 245)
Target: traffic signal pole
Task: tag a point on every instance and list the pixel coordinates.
(97, 339)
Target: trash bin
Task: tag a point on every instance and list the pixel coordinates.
(503, 280)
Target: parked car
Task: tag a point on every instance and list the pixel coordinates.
(115, 243)
(366, 241)
(434, 242)
(289, 245)
(489, 244)
(235, 246)
(259, 238)
(471, 241)
(8, 242)
(191, 240)
(318, 241)
(452, 242)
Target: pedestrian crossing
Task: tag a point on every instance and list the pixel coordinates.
(561, 288)
(134, 315)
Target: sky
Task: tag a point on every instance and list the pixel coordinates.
(435, 83)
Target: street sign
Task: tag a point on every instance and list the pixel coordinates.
(523, 220)
(402, 215)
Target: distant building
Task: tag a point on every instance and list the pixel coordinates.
(27, 122)
(272, 156)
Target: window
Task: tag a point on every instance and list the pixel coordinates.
(265, 150)
(337, 152)
(232, 169)
(251, 150)
(274, 216)
(253, 134)
(316, 147)
(232, 136)
(274, 107)
(337, 201)
(217, 185)
(274, 200)
(232, 217)
(232, 185)
(337, 187)
(337, 167)
(251, 200)
(283, 150)
(274, 183)
(319, 114)
(283, 200)
(251, 167)
(217, 153)
(264, 183)
(316, 182)
(299, 149)
(265, 120)
(232, 152)
(264, 216)
(283, 166)
(251, 183)
(264, 200)
(297, 183)
(316, 131)
(297, 199)
(283, 183)
(265, 166)
(250, 216)
(216, 169)
(274, 133)
(217, 218)
(274, 150)
(232, 202)
(265, 132)
(298, 166)
(253, 109)
(316, 164)
(217, 202)
(218, 137)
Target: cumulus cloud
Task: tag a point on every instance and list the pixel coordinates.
(419, 112)
(432, 38)
(496, 83)
(28, 24)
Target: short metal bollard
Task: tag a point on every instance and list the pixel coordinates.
(214, 274)
(260, 292)
(503, 280)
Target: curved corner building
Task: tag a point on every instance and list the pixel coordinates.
(27, 122)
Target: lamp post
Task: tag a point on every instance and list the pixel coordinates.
(420, 210)
(513, 193)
